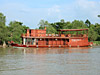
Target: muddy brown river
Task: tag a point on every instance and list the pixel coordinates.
(50, 61)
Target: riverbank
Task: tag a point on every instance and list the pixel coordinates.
(1, 46)
(96, 43)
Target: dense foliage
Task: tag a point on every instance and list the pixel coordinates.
(14, 30)
(3, 28)
(93, 33)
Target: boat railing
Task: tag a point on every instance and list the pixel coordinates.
(66, 35)
(57, 35)
(75, 35)
(52, 35)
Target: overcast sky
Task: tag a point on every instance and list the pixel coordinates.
(30, 12)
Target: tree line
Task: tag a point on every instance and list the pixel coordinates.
(14, 29)
(93, 33)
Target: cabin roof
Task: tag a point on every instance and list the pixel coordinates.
(34, 29)
(73, 29)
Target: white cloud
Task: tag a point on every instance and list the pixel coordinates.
(88, 9)
(81, 10)
(53, 10)
(21, 12)
(85, 3)
(78, 9)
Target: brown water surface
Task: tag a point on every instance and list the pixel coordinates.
(50, 61)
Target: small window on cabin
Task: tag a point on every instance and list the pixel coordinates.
(68, 40)
(29, 31)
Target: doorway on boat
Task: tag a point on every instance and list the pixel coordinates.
(47, 41)
(65, 41)
(29, 32)
(30, 41)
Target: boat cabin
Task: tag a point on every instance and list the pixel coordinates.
(64, 38)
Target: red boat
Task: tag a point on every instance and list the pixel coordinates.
(66, 38)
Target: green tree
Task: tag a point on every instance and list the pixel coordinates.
(51, 29)
(88, 23)
(59, 25)
(16, 29)
(3, 29)
(67, 25)
(42, 24)
(76, 24)
(97, 29)
(98, 15)
(93, 35)
(62, 21)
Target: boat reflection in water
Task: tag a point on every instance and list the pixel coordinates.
(55, 50)
(71, 58)
(70, 61)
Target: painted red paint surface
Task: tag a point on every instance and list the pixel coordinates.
(41, 39)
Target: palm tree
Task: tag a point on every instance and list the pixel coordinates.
(88, 23)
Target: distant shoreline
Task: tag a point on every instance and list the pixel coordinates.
(96, 43)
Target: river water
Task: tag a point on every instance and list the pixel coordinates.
(50, 61)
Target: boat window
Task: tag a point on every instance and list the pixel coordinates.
(30, 32)
(67, 40)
